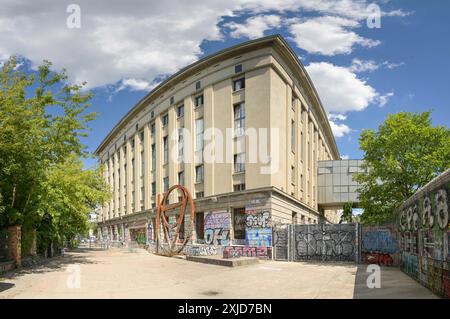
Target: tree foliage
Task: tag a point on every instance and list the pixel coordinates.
(42, 181)
(404, 154)
(347, 214)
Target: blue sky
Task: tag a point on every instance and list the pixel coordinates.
(362, 74)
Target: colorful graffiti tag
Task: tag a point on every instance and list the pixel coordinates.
(217, 228)
(379, 246)
(200, 250)
(258, 231)
(424, 235)
(246, 251)
(258, 237)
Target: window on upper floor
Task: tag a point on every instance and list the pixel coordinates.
(198, 100)
(293, 133)
(238, 84)
(199, 177)
(166, 150)
(199, 134)
(165, 120)
(181, 178)
(239, 163)
(239, 187)
(239, 119)
(180, 111)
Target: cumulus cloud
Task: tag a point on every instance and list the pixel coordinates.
(116, 40)
(339, 130)
(339, 88)
(328, 35)
(345, 157)
(131, 45)
(254, 27)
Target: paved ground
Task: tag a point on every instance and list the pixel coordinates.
(118, 273)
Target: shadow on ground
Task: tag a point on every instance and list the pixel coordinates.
(52, 264)
(5, 286)
(394, 285)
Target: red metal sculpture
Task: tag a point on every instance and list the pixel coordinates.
(169, 244)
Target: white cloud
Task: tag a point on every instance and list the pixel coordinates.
(363, 66)
(337, 117)
(339, 130)
(345, 157)
(118, 42)
(340, 90)
(136, 85)
(254, 27)
(359, 65)
(328, 35)
(391, 65)
(383, 99)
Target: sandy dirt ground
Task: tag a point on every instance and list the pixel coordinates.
(119, 273)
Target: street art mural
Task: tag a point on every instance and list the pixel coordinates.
(423, 222)
(217, 228)
(326, 242)
(246, 251)
(380, 245)
(258, 237)
(258, 226)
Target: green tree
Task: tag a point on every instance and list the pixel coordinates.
(347, 214)
(404, 154)
(42, 181)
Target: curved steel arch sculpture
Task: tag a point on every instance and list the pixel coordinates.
(168, 244)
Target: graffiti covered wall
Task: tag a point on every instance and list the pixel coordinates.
(326, 242)
(379, 245)
(258, 228)
(423, 222)
(217, 228)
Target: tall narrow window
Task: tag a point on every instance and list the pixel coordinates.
(293, 174)
(166, 184)
(301, 146)
(166, 149)
(180, 142)
(181, 178)
(180, 111)
(142, 163)
(152, 129)
(238, 84)
(153, 188)
(199, 174)
(198, 100)
(165, 119)
(239, 119)
(199, 134)
(153, 157)
(293, 131)
(239, 163)
(132, 169)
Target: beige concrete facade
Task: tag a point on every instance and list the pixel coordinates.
(278, 94)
